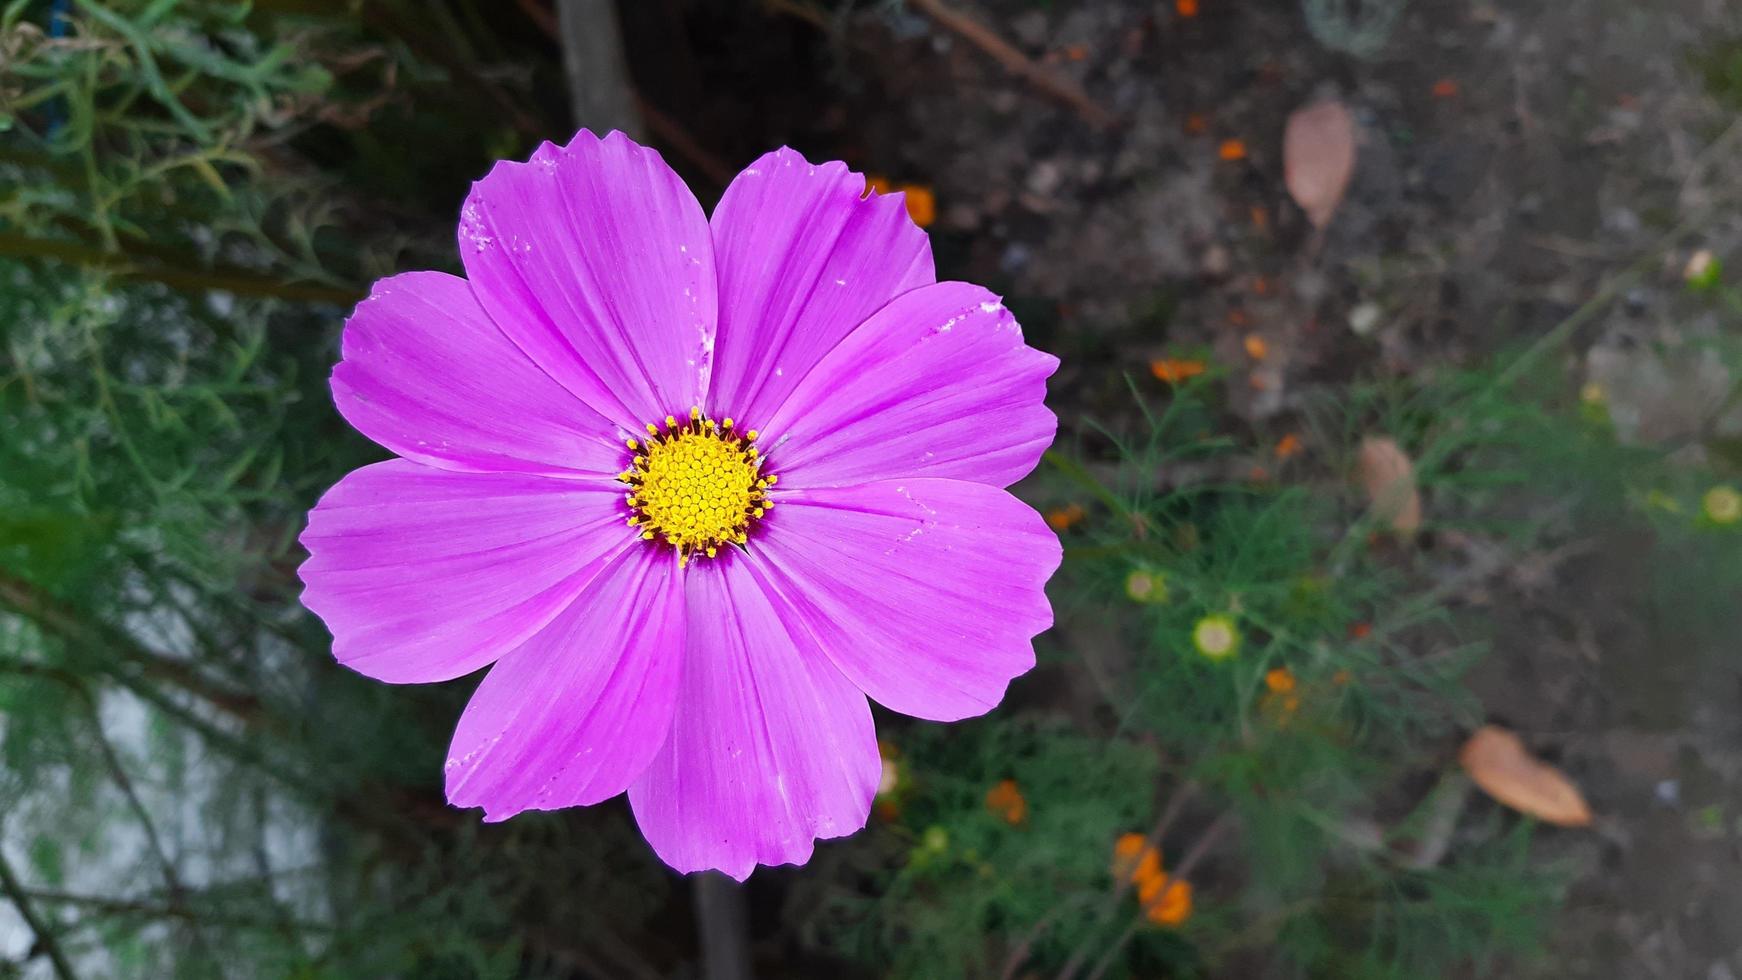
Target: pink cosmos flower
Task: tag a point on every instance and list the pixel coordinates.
(696, 487)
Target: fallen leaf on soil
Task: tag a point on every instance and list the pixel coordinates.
(1505, 769)
(1318, 158)
(1388, 476)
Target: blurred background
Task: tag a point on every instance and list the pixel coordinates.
(1398, 467)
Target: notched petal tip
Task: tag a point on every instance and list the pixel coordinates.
(937, 383)
(596, 260)
(424, 575)
(771, 747)
(804, 257)
(576, 713)
(739, 865)
(890, 580)
(768, 166)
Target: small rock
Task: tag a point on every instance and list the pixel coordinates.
(1364, 318)
(1216, 262)
(1045, 178)
(1128, 91)
(1658, 396)
(1636, 300)
(1310, 287)
(906, 25)
(1626, 120)
(1623, 220)
(1030, 28)
(1129, 162)
(961, 217)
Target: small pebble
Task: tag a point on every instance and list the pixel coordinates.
(1045, 178)
(1030, 28)
(1216, 261)
(1364, 318)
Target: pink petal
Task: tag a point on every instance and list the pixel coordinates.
(770, 747)
(925, 593)
(574, 715)
(938, 383)
(425, 574)
(597, 261)
(427, 375)
(803, 258)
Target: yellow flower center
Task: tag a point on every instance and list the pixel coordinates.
(1723, 505)
(698, 485)
(1215, 637)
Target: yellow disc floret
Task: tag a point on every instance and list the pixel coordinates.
(1722, 505)
(697, 485)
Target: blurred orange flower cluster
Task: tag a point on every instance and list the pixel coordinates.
(1173, 370)
(1007, 804)
(1063, 518)
(1165, 902)
(1281, 700)
(922, 204)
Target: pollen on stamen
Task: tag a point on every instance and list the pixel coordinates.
(697, 486)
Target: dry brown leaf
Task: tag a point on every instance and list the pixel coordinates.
(1505, 769)
(1318, 158)
(1388, 476)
